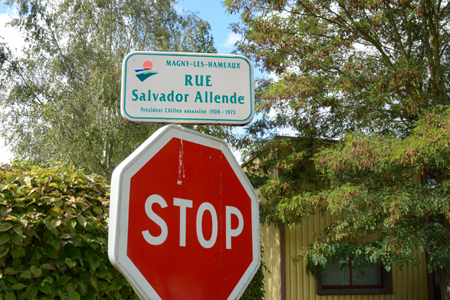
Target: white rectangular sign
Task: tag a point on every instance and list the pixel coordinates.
(194, 88)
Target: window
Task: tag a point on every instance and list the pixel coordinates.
(354, 277)
(434, 286)
(436, 281)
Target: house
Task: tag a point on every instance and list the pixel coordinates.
(288, 280)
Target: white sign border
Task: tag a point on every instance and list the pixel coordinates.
(199, 121)
(119, 206)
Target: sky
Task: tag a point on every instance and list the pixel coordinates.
(210, 10)
(215, 13)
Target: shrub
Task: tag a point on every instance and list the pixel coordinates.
(53, 235)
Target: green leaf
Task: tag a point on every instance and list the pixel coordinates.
(56, 244)
(31, 292)
(98, 210)
(81, 204)
(4, 238)
(63, 280)
(65, 236)
(54, 185)
(47, 267)
(51, 253)
(18, 231)
(72, 295)
(45, 288)
(105, 274)
(47, 279)
(83, 287)
(94, 265)
(82, 220)
(10, 296)
(17, 239)
(17, 252)
(25, 275)
(50, 227)
(4, 226)
(18, 286)
(4, 250)
(11, 271)
(36, 271)
(70, 263)
(73, 251)
(54, 211)
(71, 222)
(71, 286)
(5, 210)
(102, 286)
(94, 282)
(10, 178)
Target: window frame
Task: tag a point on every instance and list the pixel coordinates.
(385, 288)
(436, 281)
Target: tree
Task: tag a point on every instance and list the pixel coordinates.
(61, 97)
(375, 76)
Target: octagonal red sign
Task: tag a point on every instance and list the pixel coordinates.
(184, 220)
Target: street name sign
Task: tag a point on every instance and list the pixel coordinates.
(189, 88)
(184, 219)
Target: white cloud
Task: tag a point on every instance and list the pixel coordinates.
(232, 39)
(178, 8)
(15, 42)
(10, 35)
(5, 155)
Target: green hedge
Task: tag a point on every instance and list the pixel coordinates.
(53, 237)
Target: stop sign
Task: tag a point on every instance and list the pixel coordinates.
(184, 220)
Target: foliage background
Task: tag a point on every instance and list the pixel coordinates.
(65, 88)
(374, 76)
(54, 233)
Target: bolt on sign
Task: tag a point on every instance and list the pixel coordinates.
(195, 88)
(184, 219)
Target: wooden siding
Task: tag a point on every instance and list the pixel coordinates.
(291, 282)
(270, 239)
(409, 283)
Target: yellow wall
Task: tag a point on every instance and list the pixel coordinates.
(270, 238)
(410, 283)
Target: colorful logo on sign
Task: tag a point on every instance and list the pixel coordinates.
(146, 72)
